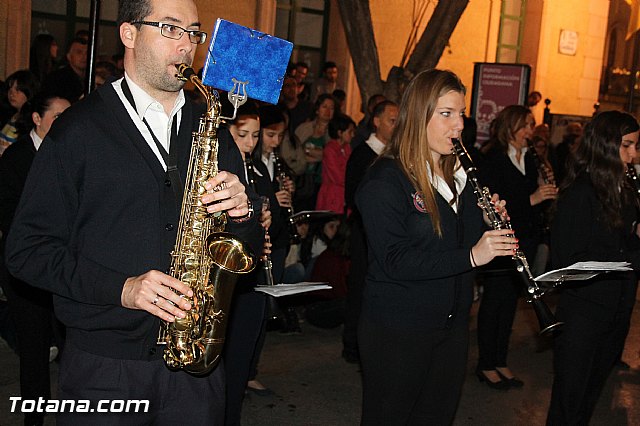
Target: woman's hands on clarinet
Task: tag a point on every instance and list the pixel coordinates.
(285, 195)
(546, 191)
(265, 222)
(499, 206)
(497, 242)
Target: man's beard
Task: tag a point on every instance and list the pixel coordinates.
(158, 77)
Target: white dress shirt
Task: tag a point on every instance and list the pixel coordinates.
(149, 108)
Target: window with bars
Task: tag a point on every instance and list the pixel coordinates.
(510, 34)
(305, 23)
(63, 18)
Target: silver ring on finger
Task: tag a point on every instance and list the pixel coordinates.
(155, 301)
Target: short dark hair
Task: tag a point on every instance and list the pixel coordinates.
(302, 65)
(381, 106)
(26, 82)
(40, 103)
(339, 123)
(79, 40)
(133, 10)
(329, 64)
(340, 95)
(375, 100)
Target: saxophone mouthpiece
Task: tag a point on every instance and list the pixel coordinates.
(184, 72)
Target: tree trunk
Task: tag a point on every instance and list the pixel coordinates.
(436, 36)
(356, 17)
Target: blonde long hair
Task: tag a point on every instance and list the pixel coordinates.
(409, 143)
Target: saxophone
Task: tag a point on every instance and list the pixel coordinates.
(205, 258)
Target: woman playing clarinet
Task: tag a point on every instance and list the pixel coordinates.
(247, 318)
(594, 218)
(509, 170)
(425, 235)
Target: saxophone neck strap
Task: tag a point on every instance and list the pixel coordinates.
(170, 158)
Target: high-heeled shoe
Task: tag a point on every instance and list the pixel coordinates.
(499, 385)
(513, 382)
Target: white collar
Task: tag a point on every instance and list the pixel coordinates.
(37, 140)
(143, 100)
(459, 178)
(511, 152)
(375, 144)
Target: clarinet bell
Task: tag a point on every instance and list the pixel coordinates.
(546, 319)
(273, 310)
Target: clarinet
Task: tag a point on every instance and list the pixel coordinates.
(542, 170)
(539, 163)
(534, 293)
(281, 175)
(267, 265)
(632, 176)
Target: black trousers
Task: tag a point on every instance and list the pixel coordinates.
(175, 397)
(31, 310)
(243, 334)
(411, 377)
(495, 318)
(272, 309)
(355, 287)
(585, 351)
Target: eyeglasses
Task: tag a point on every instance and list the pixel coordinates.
(175, 32)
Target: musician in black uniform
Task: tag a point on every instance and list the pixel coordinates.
(272, 133)
(594, 218)
(384, 118)
(507, 170)
(425, 234)
(248, 306)
(31, 308)
(100, 222)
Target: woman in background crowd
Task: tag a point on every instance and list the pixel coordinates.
(22, 85)
(334, 164)
(314, 135)
(42, 56)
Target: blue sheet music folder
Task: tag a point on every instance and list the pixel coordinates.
(248, 56)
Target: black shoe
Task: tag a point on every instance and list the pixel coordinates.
(513, 382)
(499, 385)
(291, 323)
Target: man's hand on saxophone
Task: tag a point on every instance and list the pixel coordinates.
(225, 193)
(154, 292)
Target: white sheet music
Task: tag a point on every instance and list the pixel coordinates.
(583, 271)
(289, 289)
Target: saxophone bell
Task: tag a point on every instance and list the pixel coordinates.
(204, 257)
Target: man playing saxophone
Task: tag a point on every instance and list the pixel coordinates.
(100, 221)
